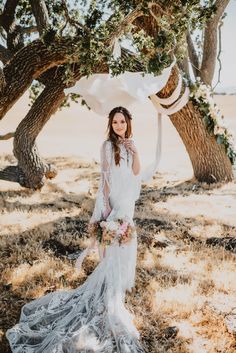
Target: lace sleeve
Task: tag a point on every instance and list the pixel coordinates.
(102, 200)
(106, 157)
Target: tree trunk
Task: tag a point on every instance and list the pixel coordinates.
(25, 150)
(209, 160)
(40, 12)
(31, 170)
(210, 43)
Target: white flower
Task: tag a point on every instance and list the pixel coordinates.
(213, 110)
(219, 121)
(230, 138)
(219, 130)
(112, 226)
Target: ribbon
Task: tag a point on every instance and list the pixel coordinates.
(177, 104)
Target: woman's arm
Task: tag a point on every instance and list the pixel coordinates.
(107, 208)
(136, 163)
(106, 155)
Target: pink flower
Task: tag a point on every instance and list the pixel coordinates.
(123, 227)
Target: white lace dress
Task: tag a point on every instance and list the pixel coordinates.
(92, 317)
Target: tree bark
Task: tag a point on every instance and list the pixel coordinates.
(31, 171)
(5, 54)
(209, 160)
(28, 64)
(30, 165)
(12, 173)
(7, 136)
(7, 17)
(210, 43)
(193, 56)
(40, 12)
(7, 20)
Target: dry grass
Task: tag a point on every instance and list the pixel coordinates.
(180, 281)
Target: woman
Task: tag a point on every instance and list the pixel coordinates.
(93, 318)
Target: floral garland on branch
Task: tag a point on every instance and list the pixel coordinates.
(202, 96)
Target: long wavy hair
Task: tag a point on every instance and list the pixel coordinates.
(112, 136)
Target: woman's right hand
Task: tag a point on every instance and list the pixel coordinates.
(130, 146)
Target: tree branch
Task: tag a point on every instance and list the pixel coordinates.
(28, 30)
(193, 55)
(70, 20)
(28, 64)
(7, 17)
(184, 66)
(2, 80)
(40, 12)
(220, 6)
(130, 18)
(12, 173)
(36, 58)
(7, 136)
(5, 54)
(7, 21)
(210, 43)
(154, 4)
(218, 55)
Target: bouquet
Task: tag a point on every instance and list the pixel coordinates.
(117, 231)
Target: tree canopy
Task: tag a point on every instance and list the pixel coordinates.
(83, 32)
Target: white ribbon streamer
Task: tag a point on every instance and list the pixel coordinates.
(148, 173)
(181, 102)
(174, 96)
(116, 49)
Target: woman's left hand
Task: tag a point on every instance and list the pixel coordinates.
(129, 145)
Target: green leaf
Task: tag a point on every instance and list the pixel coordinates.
(220, 139)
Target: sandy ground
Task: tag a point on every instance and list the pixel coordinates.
(183, 279)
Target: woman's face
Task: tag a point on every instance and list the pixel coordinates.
(119, 124)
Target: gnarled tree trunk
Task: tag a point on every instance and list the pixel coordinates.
(31, 170)
(209, 160)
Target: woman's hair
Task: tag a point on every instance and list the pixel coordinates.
(112, 136)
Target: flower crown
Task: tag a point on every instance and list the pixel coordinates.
(121, 110)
